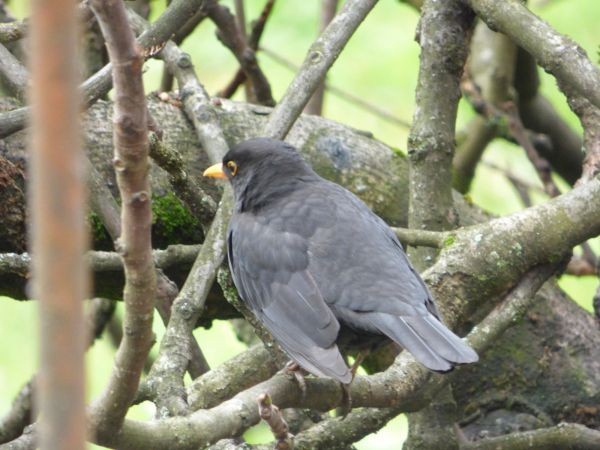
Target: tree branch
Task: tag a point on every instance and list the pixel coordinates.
(101, 261)
(424, 238)
(98, 85)
(58, 232)
(565, 435)
(444, 33)
(315, 104)
(556, 53)
(20, 414)
(255, 34)
(231, 36)
(14, 76)
(491, 65)
(131, 166)
(538, 114)
(320, 57)
(405, 386)
(199, 202)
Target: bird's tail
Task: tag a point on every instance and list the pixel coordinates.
(427, 339)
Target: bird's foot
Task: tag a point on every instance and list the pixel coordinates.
(360, 357)
(293, 368)
(346, 405)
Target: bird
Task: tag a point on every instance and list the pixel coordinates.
(320, 270)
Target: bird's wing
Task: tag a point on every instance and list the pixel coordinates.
(377, 289)
(269, 269)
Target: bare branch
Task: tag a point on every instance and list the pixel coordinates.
(131, 165)
(58, 232)
(229, 33)
(14, 75)
(241, 372)
(320, 57)
(20, 414)
(538, 114)
(556, 53)
(422, 238)
(13, 31)
(444, 33)
(492, 65)
(255, 34)
(565, 435)
(315, 104)
(541, 166)
(166, 376)
(177, 13)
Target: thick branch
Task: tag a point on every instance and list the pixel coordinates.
(444, 33)
(565, 435)
(100, 261)
(14, 76)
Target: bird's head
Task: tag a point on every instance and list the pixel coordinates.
(260, 169)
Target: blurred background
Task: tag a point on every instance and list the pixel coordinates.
(380, 67)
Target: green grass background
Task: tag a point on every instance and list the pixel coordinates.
(380, 64)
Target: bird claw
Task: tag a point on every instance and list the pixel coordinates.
(346, 405)
(293, 368)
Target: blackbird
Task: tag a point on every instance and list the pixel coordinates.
(320, 270)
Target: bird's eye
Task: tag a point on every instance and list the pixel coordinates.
(232, 166)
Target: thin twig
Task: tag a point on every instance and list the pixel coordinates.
(320, 57)
(258, 27)
(232, 38)
(131, 166)
(165, 380)
(315, 104)
(541, 165)
(508, 112)
(423, 238)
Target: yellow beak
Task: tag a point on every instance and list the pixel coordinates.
(215, 171)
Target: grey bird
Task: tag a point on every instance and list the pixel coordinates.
(320, 270)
